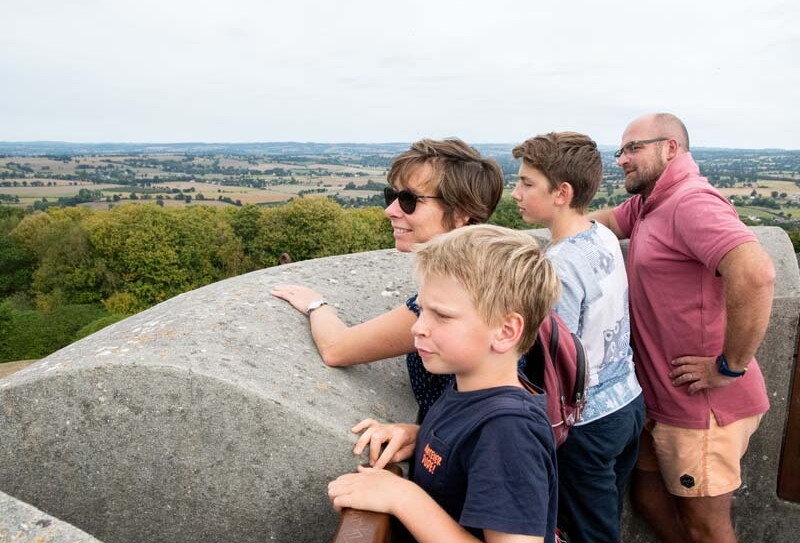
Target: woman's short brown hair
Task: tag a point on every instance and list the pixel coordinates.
(467, 182)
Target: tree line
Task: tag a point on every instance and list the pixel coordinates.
(68, 271)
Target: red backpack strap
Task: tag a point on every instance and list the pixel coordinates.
(579, 393)
(553, 338)
(577, 396)
(554, 355)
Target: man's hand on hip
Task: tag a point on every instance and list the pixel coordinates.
(698, 372)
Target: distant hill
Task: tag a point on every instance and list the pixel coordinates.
(36, 148)
(39, 148)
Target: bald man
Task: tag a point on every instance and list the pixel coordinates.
(700, 295)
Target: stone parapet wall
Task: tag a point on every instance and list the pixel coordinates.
(23, 523)
(211, 417)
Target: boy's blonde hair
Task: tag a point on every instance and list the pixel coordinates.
(503, 270)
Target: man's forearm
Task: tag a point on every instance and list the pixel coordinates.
(606, 218)
(749, 283)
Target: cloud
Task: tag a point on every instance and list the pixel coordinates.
(253, 70)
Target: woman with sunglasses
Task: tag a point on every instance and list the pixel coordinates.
(434, 187)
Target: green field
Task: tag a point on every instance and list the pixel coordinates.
(236, 180)
(762, 187)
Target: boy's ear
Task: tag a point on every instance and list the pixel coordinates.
(564, 194)
(509, 333)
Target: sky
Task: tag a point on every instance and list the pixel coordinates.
(369, 71)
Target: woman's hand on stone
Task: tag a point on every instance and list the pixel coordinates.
(297, 295)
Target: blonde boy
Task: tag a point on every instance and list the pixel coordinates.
(558, 178)
(484, 458)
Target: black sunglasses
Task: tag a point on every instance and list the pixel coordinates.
(406, 199)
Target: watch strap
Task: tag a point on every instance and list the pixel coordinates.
(315, 304)
(722, 366)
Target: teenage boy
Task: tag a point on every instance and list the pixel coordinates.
(558, 178)
(484, 457)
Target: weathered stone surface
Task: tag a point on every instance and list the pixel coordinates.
(23, 523)
(7, 368)
(210, 417)
(759, 515)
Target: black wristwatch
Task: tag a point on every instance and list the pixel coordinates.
(722, 366)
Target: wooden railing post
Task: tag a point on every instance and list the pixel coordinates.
(789, 471)
(357, 526)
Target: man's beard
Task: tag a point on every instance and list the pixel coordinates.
(644, 178)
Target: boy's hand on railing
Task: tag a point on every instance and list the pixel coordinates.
(371, 489)
(365, 526)
(400, 440)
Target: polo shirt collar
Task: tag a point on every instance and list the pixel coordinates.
(679, 169)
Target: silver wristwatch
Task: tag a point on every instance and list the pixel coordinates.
(315, 304)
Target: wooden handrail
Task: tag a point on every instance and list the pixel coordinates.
(357, 526)
(789, 469)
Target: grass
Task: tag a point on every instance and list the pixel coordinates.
(29, 333)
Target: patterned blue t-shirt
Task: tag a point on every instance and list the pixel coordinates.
(594, 306)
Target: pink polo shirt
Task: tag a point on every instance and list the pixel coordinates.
(678, 236)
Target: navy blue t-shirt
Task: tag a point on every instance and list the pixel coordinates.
(489, 459)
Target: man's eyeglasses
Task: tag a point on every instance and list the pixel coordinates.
(406, 199)
(633, 146)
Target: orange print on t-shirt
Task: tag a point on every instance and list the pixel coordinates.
(430, 459)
